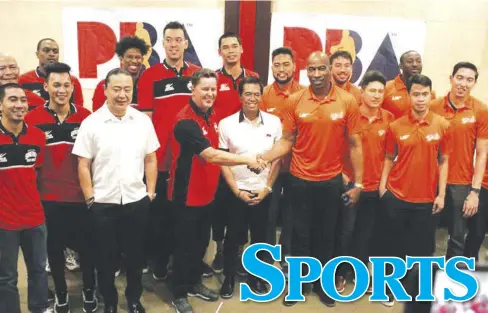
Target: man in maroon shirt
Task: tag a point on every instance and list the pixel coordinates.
(22, 215)
(62, 199)
(47, 52)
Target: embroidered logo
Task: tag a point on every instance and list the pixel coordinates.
(49, 134)
(303, 115)
(169, 87)
(189, 85)
(336, 116)
(204, 131)
(433, 137)
(394, 98)
(74, 133)
(31, 156)
(381, 132)
(224, 87)
(466, 120)
(3, 157)
(404, 137)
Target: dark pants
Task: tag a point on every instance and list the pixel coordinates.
(241, 218)
(192, 233)
(119, 228)
(357, 224)
(477, 227)
(160, 234)
(404, 228)
(68, 226)
(315, 207)
(281, 201)
(33, 244)
(455, 196)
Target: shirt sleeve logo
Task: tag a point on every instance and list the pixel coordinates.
(3, 158)
(31, 156)
(224, 87)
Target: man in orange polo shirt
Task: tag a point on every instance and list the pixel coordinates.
(273, 101)
(357, 225)
(414, 177)
(318, 122)
(341, 62)
(469, 122)
(397, 99)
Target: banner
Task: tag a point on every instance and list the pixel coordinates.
(90, 35)
(374, 43)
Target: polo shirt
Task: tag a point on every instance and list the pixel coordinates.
(34, 81)
(164, 91)
(33, 100)
(98, 99)
(193, 181)
(374, 143)
(321, 128)
(228, 101)
(238, 135)
(20, 202)
(59, 175)
(353, 90)
(397, 100)
(468, 124)
(117, 148)
(415, 173)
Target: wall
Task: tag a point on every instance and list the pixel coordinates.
(456, 30)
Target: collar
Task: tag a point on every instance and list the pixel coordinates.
(399, 84)
(280, 92)
(379, 115)
(330, 97)
(6, 132)
(243, 118)
(72, 108)
(427, 120)
(199, 111)
(448, 105)
(243, 73)
(109, 116)
(169, 67)
(39, 74)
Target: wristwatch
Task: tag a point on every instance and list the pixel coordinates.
(358, 185)
(269, 189)
(475, 190)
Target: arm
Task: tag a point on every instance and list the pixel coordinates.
(443, 171)
(356, 152)
(387, 165)
(84, 175)
(220, 157)
(151, 172)
(472, 200)
(281, 148)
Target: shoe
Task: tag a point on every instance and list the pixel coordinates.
(48, 268)
(218, 262)
(389, 303)
(62, 303)
(340, 284)
(160, 275)
(71, 262)
(182, 305)
(207, 270)
(50, 295)
(240, 268)
(90, 301)
(110, 309)
(257, 286)
(324, 298)
(227, 289)
(203, 292)
(145, 270)
(117, 273)
(48, 310)
(289, 303)
(136, 307)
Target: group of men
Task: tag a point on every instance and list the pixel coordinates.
(175, 154)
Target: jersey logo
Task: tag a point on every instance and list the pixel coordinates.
(37, 92)
(466, 120)
(169, 87)
(381, 132)
(271, 109)
(433, 137)
(3, 157)
(204, 131)
(224, 87)
(74, 133)
(394, 98)
(336, 116)
(49, 134)
(404, 137)
(31, 155)
(189, 85)
(303, 115)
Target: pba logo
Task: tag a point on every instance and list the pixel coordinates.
(96, 44)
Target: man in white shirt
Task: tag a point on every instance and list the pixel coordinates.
(116, 147)
(247, 132)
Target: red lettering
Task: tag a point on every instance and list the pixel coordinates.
(302, 41)
(96, 43)
(127, 29)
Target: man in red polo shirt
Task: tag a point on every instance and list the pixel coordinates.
(164, 89)
(196, 159)
(226, 104)
(419, 142)
(22, 215)
(47, 52)
(9, 73)
(341, 70)
(62, 199)
(131, 51)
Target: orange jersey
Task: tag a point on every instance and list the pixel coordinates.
(415, 173)
(397, 100)
(273, 101)
(321, 128)
(373, 142)
(353, 90)
(468, 124)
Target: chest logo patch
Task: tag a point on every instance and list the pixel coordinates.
(468, 120)
(169, 87)
(3, 158)
(31, 155)
(381, 132)
(336, 116)
(74, 133)
(204, 131)
(394, 98)
(404, 137)
(433, 137)
(224, 87)
(49, 134)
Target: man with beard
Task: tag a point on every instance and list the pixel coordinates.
(47, 52)
(318, 123)
(469, 120)
(341, 62)
(131, 51)
(397, 100)
(273, 101)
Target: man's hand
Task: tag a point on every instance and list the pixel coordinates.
(245, 196)
(438, 205)
(261, 195)
(90, 201)
(345, 179)
(151, 196)
(353, 195)
(382, 191)
(471, 204)
(257, 165)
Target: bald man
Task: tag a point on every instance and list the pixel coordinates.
(318, 123)
(9, 73)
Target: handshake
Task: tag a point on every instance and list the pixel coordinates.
(257, 165)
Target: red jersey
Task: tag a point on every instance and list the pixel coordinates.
(33, 100)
